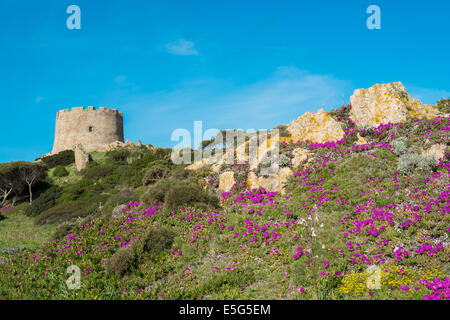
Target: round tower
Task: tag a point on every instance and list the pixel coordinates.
(93, 128)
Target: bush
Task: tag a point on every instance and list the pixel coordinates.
(180, 174)
(75, 190)
(45, 201)
(443, 105)
(409, 162)
(399, 146)
(64, 158)
(155, 194)
(60, 171)
(163, 153)
(285, 161)
(62, 231)
(97, 172)
(118, 155)
(121, 261)
(282, 130)
(67, 211)
(154, 174)
(190, 195)
(158, 240)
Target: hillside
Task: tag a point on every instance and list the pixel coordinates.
(357, 209)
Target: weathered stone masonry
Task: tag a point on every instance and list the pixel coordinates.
(93, 128)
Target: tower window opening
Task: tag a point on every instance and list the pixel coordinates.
(90, 129)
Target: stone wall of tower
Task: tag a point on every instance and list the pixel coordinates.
(93, 128)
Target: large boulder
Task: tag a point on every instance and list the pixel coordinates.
(318, 126)
(300, 157)
(118, 211)
(273, 182)
(436, 150)
(226, 181)
(385, 103)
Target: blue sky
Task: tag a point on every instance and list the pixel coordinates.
(231, 64)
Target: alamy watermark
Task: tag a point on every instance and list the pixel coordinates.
(74, 281)
(374, 20)
(374, 280)
(74, 20)
(227, 147)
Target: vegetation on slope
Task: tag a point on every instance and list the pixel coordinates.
(368, 221)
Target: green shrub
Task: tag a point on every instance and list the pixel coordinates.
(118, 155)
(163, 163)
(163, 153)
(154, 174)
(121, 261)
(285, 161)
(60, 171)
(155, 194)
(399, 146)
(158, 240)
(190, 195)
(97, 172)
(45, 201)
(180, 173)
(443, 105)
(131, 175)
(62, 231)
(409, 162)
(63, 158)
(75, 190)
(282, 130)
(67, 211)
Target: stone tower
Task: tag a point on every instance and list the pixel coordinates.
(92, 128)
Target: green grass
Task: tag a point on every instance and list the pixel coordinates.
(98, 156)
(19, 230)
(72, 177)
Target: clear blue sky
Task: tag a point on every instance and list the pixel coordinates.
(232, 64)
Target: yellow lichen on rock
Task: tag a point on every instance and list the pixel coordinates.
(226, 181)
(300, 156)
(436, 150)
(198, 165)
(317, 127)
(384, 103)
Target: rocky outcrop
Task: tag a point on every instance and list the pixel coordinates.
(266, 168)
(226, 181)
(300, 156)
(318, 126)
(436, 150)
(384, 103)
(118, 211)
(198, 165)
(81, 157)
(273, 182)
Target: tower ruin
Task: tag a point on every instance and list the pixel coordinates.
(93, 128)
